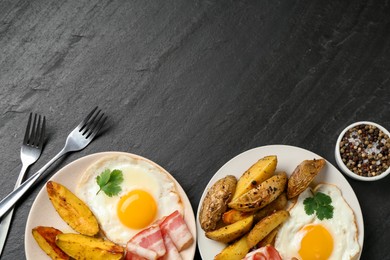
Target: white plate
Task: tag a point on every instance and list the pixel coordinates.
(288, 158)
(42, 212)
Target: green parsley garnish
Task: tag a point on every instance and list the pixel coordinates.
(109, 182)
(321, 204)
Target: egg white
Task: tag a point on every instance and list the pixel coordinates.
(137, 174)
(342, 226)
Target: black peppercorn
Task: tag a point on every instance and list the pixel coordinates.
(364, 150)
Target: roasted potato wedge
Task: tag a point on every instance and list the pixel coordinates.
(231, 232)
(84, 247)
(235, 251)
(46, 239)
(278, 204)
(233, 215)
(269, 239)
(72, 210)
(261, 195)
(265, 226)
(303, 175)
(257, 173)
(216, 201)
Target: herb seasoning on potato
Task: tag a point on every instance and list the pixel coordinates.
(72, 210)
(261, 195)
(216, 201)
(256, 174)
(303, 175)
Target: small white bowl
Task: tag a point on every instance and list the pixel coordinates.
(340, 162)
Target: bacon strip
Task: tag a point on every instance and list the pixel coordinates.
(172, 252)
(136, 252)
(264, 253)
(150, 238)
(175, 226)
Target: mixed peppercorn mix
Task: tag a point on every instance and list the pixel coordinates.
(364, 149)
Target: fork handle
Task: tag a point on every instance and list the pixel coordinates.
(9, 201)
(6, 221)
(21, 176)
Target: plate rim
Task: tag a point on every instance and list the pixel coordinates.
(219, 173)
(188, 209)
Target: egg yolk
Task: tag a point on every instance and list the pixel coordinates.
(137, 209)
(317, 243)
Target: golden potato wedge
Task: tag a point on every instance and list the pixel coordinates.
(233, 215)
(278, 204)
(257, 173)
(231, 232)
(303, 175)
(235, 251)
(46, 239)
(216, 201)
(269, 239)
(265, 226)
(84, 247)
(72, 210)
(261, 195)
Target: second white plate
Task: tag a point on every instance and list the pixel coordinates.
(288, 158)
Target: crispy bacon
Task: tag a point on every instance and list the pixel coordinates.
(264, 253)
(150, 238)
(163, 240)
(172, 252)
(175, 226)
(136, 252)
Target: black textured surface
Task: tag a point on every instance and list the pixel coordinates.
(190, 84)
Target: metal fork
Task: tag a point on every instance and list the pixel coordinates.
(29, 154)
(78, 139)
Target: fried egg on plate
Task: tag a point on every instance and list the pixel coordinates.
(306, 237)
(147, 195)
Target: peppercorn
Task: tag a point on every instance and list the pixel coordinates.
(365, 149)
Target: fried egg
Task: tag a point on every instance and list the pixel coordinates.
(147, 194)
(307, 237)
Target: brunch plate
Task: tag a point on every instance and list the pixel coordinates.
(42, 212)
(288, 158)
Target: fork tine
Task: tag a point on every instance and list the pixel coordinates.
(42, 134)
(33, 134)
(97, 127)
(91, 122)
(83, 123)
(93, 125)
(37, 132)
(27, 133)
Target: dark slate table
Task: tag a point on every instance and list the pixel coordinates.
(191, 84)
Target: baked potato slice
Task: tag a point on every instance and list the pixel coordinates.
(235, 251)
(72, 210)
(233, 215)
(46, 239)
(261, 195)
(257, 173)
(216, 201)
(278, 204)
(85, 247)
(265, 226)
(231, 232)
(303, 175)
(269, 239)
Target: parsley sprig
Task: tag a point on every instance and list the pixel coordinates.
(320, 203)
(109, 182)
